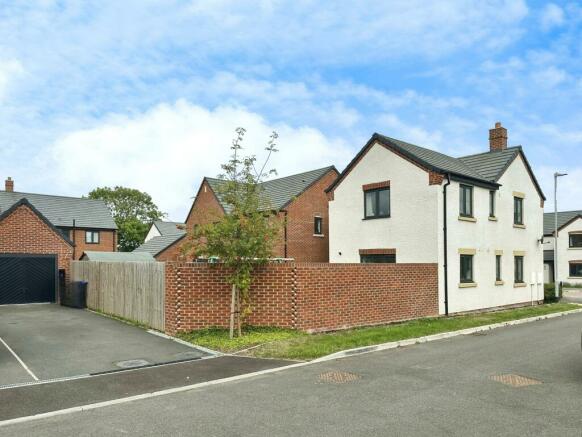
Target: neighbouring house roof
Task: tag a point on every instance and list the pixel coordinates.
(158, 244)
(279, 192)
(484, 168)
(25, 202)
(117, 256)
(564, 219)
(169, 228)
(61, 211)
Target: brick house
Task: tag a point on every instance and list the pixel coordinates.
(163, 240)
(479, 217)
(300, 203)
(39, 236)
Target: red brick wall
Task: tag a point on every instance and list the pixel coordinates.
(205, 208)
(305, 296)
(107, 242)
(24, 232)
(302, 245)
(172, 253)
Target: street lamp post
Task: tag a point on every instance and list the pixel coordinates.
(556, 282)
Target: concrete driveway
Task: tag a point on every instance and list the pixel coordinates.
(48, 341)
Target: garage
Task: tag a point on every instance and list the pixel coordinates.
(27, 278)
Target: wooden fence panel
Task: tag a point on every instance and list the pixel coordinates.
(133, 290)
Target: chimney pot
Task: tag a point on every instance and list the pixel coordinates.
(9, 185)
(497, 138)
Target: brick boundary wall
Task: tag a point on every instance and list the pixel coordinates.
(305, 296)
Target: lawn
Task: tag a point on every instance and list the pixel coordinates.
(289, 344)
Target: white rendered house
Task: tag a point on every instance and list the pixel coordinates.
(569, 247)
(478, 217)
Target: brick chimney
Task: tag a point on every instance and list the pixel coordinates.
(9, 185)
(497, 138)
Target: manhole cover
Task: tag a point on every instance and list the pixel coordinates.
(132, 363)
(515, 380)
(338, 377)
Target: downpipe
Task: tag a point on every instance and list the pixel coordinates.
(445, 244)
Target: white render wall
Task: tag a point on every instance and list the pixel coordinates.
(567, 254)
(486, 237)
(412, 228)
(153, 232)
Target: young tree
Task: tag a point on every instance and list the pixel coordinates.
(133, 211)
(245, 237)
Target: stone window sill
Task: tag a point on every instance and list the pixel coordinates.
(319, 235)
(467, 219)
(467, 285)
(492, 219)
(519, 285)
(499, 283)
(519, 226)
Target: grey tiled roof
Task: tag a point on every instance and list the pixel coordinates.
(169, 228)
(61, 211)
(434, 159)
(491, 165)
(563, 218)
(279, 192)
(118, 256)
(484, 168)
(159, 243)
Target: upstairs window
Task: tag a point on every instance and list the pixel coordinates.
(518, 276)
(575, 240)
(377, 203)
(491, 203)
(317, 226)
(466, 269)
(92, 237)
(518, 211)
(498, 277)
(466, 201)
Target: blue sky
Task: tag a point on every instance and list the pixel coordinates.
(147, 94)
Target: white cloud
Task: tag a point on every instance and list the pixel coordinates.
(550, 77)
(167, 150)
(551, 16)
(9, 71)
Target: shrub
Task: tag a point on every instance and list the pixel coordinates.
(550, 293)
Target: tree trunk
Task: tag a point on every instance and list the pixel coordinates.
(232, 306)
(238, 312)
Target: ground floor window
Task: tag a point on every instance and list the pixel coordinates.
(498, 268)
(519, 270)
(378, 258)
(466, 268)
(576, 270)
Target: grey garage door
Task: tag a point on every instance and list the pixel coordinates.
(27, 278)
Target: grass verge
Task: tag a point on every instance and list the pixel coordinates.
(288, 344)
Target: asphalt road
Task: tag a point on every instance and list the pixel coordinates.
(439, 388)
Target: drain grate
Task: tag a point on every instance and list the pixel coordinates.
(515, 380)
(132, 363)
(338, 377)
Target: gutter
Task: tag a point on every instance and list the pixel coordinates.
(445, 244)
